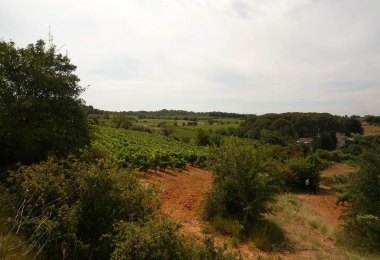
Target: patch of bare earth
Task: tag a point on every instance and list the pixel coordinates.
(183, 193)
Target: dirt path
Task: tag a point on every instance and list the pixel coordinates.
(183, 194)
(323, 204)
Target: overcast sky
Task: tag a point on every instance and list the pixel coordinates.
(256, 57)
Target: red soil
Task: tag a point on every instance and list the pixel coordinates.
(184, 191)
(182, 195)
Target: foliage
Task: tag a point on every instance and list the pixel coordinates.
(121, 120)
(150, 240)
(326, 141)
(161, 240)
(363, 217)
(68, 207)
(244, 183)
(202, 137)
(207, 138)
(283, 127)
(167, 130)
(145, 151)
(40, 110)
(271, 138)
(303, 169)
(298, 124)
(267, 235)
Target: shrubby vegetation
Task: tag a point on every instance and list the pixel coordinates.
(371, 119)
(245, 182)
(362, 220)
(88, 208)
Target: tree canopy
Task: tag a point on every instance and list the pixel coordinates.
(41, 113)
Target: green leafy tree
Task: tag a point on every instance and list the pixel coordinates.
(203, 137)
(246, 182)
(40, 110)
(327, 141)
(283, 127)
(168, 130)
(121, 120)
(363, 217)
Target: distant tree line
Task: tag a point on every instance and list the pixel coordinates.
(372, 119)
(186, 115)
(298, 124)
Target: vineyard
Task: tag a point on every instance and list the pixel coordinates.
(144, 151)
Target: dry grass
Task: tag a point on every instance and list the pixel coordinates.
(371, 129)
(311, 236)
(12, 247)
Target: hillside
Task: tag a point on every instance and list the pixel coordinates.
(310, 228)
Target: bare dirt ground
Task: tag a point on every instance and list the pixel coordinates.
(183, 193)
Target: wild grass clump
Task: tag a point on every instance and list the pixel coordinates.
(267, 236)
(336, 179)
(287, 210)
(13, 246)
(228, 226)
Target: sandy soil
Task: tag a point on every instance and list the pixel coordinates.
(183, 194)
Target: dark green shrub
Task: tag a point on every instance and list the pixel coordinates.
(354, 150)
(363, 216)
(150, 240)
(302, 169)
(323, 154)
(245, 183)
(70, 205)
(335, 156)
(271, 138)
(159, 239)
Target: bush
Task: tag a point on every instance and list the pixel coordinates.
(244, 185)
(71, 206)
(151, 240)
(302, 170)
(160, 239)
(363, 217)
(271, 138)
(323, 154)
